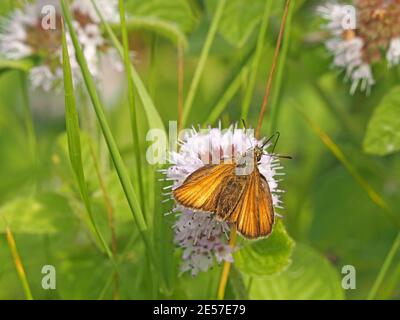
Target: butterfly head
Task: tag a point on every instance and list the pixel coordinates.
(258, 153)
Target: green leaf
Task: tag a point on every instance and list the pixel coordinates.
(177, 12)
(266, 256)
(45, 213)
(162, 27)
(22, 65)
(383, 135)
(310, 276)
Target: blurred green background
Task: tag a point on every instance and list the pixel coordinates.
(328, 214)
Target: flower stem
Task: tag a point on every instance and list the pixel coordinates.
(273, 68)
(226, 268)
(18, 263)
(203, 58)
(385, 267)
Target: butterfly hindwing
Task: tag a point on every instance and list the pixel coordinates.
(265, 207)
(231, 194)
(254, 214)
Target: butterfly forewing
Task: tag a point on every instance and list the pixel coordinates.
(202, 188)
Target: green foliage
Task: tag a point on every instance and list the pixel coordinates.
(266, 256)
(309, 277)
(44, 213)
(240, 18)
(382, 136)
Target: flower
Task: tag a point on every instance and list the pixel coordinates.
(26, 33)
(393, 54)
(356, 50)
(203, 238)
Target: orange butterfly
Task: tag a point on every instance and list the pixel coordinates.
(241, 199)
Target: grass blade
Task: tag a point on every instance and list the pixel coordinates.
(74, 143)
(120, 167)
(385, 267)
(116, 157)
(132, 106)
(337, 152)
(153, 117)
(273, 67)
(279, 73)
(230, 89)
(257, 59)
(203, 58)
(110, 216)
(18, 263)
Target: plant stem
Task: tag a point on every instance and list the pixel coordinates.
(110, 217)
(132, 105)
(231, 87)
(385, 267)
(279, 74)
(226, 268)
(273, 67)
(132, 240)
(257, 59)
(203, 58)
(181, 78)
(18, 263)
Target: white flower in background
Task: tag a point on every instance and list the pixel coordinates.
(109, 10)
(204, 239)
(393, 54)
(335, 14)
(362, 76)
(22, 35)
(376, 34)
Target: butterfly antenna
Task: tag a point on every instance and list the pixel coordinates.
(244, 124)
(277, 135)
(272, 154)
(280, 156)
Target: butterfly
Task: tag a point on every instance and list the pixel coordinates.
(241, 198)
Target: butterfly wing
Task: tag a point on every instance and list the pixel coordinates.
(243, 200)
(253, 213)
(201, 189)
